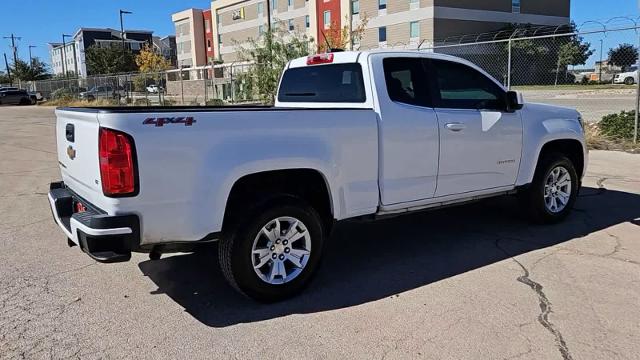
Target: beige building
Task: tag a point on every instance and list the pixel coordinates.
(390, 23)
(236, 21)
(408, 23)
(190, 38)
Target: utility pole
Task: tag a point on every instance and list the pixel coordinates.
(30, 57)
(6, 64)
(13, 46)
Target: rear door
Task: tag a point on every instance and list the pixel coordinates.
(408, 129)
(77, 147)
(480, 142)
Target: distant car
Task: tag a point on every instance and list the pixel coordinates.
(101, 92)
(154, 89)
(16, 97)
(628, 78)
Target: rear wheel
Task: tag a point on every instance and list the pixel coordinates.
(273, 254)
(629, 81)
(553, 191)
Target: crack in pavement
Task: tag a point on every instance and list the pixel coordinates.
(545, 305)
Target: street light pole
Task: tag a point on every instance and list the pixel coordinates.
(122, 31)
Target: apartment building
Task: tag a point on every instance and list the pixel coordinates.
(409, 22)
(236, 21)
(389, 23)
(166, 46)
(74, 51)
(190, 38)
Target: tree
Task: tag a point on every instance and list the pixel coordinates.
(269, 55)
(624, 55)
(24, 71)
(109, 60)
(4, 78)
(150, 63)
(574, 52)
(342, 38)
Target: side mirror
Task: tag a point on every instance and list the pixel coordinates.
(514, 101)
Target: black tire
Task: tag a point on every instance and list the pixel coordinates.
(629, 81)
(235, 249)
(533, 199)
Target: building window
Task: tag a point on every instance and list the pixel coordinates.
(260, 8)
(207, 25)
(260, 29)
(274, 4)
(208, 44)
(515, 6)
(326, 19)
(382, 34)
(382, 4)
(291, 26)
(306, 21)
(414, 29)
(290, 3)
(355, 7)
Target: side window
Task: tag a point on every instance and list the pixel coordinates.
(459, 86)
(406, 81)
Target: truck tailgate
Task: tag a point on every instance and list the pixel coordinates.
(77, 146)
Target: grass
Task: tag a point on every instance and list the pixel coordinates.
(78, 103)
(598, 141)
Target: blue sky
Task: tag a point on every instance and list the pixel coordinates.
(41, 21)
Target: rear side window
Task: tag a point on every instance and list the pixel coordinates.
(337, 83)
(406, 81)
(462, 87)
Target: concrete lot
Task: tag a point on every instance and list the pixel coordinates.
(474, 282)
(592, 103)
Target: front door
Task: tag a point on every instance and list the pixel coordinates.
(480, 142)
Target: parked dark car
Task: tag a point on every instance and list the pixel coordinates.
(16, 97)
(102, 92)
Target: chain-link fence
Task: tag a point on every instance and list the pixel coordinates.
(593, 71)
(203, 85)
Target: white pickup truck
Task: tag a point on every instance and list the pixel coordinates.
(352, 135)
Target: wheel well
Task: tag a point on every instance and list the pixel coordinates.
(253, 189)
(571, 148)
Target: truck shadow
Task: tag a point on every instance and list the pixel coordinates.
(365, 262)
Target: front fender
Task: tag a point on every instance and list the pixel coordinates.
(538, 132)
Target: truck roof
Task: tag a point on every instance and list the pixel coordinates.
(353, 56)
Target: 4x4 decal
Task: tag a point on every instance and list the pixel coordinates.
(158, 122)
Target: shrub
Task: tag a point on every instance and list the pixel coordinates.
(215, 102)
(62, 94)
(618, 126)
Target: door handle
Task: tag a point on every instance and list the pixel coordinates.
(455, 126)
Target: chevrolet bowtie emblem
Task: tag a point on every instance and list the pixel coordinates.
(71, 152)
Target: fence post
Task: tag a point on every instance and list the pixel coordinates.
(509, 67)
(635, 126)
(181, 86)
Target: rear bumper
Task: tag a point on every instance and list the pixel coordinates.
(105, 238)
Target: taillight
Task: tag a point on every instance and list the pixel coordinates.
(117, 168)
(320, 59)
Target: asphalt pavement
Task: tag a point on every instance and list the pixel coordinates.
(470, 282)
